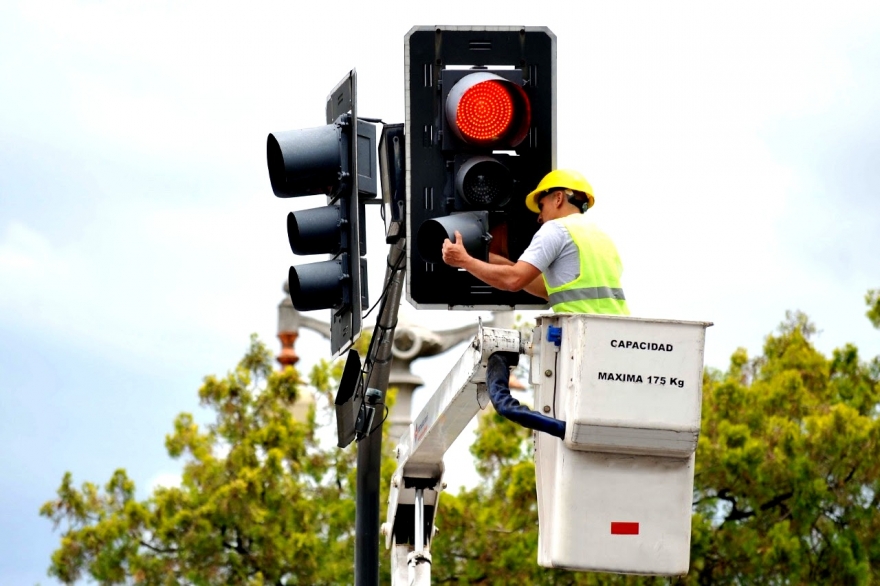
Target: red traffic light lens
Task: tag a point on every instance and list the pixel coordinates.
(486, 110)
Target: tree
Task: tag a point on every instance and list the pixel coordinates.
(872, 299)
(260, 501)
(787, 488)
(787, 484)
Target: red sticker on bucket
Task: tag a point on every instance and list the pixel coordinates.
(624, 528)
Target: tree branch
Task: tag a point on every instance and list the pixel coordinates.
(238, 548)
(157, 549)
(777, 500)
(735, 514)
(851, 473)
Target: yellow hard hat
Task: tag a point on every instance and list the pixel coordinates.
(560, 179)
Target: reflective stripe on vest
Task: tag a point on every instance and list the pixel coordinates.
(586, 293)
(597, 287)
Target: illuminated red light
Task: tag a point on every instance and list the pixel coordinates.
(488, 111)
(485, 111)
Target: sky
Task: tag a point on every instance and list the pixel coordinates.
(733, 150)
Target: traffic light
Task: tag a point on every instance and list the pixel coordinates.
(480, 135)
(335, 160)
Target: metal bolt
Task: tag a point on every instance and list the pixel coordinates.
(443, 486)
(546, 408)
(548, 372)
(395, 482)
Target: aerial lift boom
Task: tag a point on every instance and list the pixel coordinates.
(417, 482)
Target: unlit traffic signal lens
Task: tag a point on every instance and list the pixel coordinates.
(484, 182)
(486, 110)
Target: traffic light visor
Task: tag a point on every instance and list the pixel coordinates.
(315, 231)
(318, 285)
(307, 161)
(484, 109)
(473, 227)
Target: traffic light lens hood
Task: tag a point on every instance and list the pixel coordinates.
(473, 227)
(487, 110)
(315, 231)
(307, 161)
(317, 285)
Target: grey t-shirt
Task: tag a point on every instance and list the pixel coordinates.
(554, 253)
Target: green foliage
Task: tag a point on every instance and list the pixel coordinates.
(872, 299)
(260, 501)
(787, 488)
(787, 485)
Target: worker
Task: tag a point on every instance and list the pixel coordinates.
(569, 262)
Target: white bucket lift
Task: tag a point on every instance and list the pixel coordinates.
(616, 495)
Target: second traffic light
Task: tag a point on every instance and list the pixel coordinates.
(335, 160)
(480, 134)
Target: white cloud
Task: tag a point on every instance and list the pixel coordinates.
(23, 250)
(663, 106)
(33, 270)
(164, 479)
(672, 110)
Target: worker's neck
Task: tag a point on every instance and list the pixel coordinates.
(568, 211)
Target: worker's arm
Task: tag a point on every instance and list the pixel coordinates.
(536, 287)
(507, 277)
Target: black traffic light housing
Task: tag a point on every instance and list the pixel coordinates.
(336, 160)
(480, 135)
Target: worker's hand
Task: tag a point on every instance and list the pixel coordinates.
(454, 253)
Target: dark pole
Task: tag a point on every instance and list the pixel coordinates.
(369, 451)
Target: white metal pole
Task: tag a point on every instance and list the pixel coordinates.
(420, 520)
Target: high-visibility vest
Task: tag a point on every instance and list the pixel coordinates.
(597, 289)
